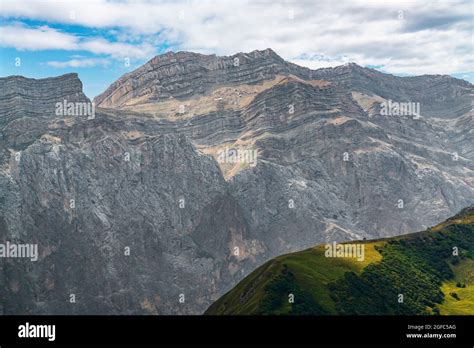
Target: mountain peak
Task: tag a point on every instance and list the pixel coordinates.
(334, 286)
(182, 74)
(238, 137)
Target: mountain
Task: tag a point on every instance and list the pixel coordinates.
(126, 223)
(26, 105)
(186, 74)
(336, 115)
(191, 171)
(429, 272)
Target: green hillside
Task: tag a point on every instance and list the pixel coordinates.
(423, 273)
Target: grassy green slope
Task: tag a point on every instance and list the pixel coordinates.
(420, 266)
(463, 304)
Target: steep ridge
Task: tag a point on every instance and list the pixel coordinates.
(439, 95)
(26, 103)
(184, 74)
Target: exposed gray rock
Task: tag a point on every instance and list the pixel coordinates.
(26, 105)
(330, 167)
(86, 200)
(24, 97)
(186, 74)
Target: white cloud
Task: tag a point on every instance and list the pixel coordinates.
(79, 63)
(413, 36)
(46, 38)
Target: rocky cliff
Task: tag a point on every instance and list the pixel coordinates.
(125, 225)
(196, 169)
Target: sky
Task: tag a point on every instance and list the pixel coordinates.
(102, 40)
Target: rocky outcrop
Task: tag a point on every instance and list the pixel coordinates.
(26, 105)
(24, 97)
(439, 95)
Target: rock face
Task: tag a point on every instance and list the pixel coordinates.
(27, 104)
(196, 169)
(440, 95)
(323, 284)
(184, 74)
(125, 225)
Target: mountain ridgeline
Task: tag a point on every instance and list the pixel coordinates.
(424, 273)
(196, 169)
